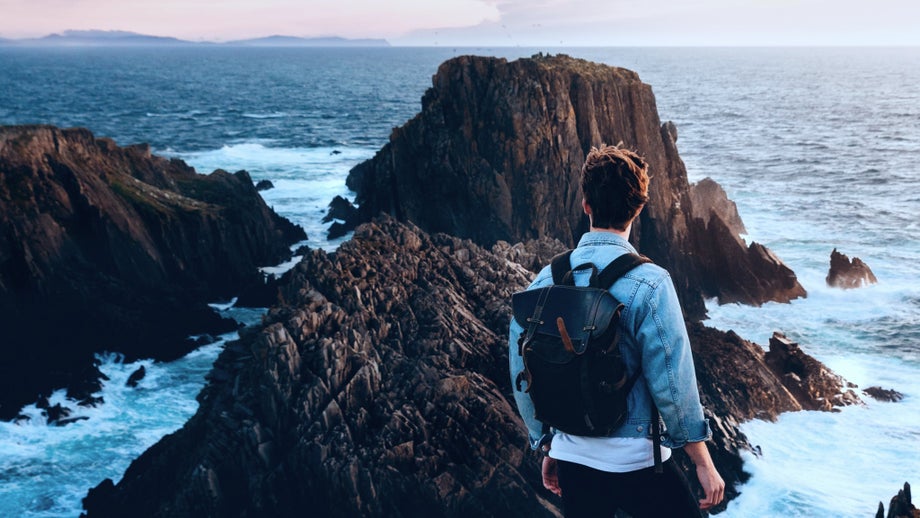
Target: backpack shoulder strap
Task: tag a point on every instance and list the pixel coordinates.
(618, 268)
(560, 266)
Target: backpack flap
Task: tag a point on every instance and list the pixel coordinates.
(585, 312)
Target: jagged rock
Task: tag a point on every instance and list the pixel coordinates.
(739, 382)
(56, 414)
(136, 377)
(881, 394)
(533, 254)
(812, 384)
(379, 387)
(846, 274)
(496, 154)
(900, 506)
(710, 200)
(341, 209)
(112, 248)
(264, 185)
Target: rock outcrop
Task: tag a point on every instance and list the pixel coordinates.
(379, 387)
(496, 154)
(111, 248)
(710, 200)
(847, 274)
(900, 506)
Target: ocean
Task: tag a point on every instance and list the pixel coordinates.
(819, 148)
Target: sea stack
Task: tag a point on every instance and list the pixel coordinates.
(496, 154)
(847, 274)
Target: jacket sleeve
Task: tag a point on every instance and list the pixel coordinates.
(667, 365)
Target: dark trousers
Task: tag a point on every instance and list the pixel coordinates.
(590, 493)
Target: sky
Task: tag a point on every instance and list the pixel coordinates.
(486, 22)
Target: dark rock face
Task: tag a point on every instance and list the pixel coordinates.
(710, 200)
(496, 154)
(848, 274)
(264, 185)
(900, 506)
(108, 248)
(341, 209)
(380, 388)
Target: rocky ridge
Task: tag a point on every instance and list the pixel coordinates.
(113, 248)
(379, 387)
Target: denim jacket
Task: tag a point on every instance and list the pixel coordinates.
(654, 335)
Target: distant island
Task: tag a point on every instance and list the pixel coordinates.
(96, 38)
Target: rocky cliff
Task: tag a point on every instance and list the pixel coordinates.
(110, 248)
(496, 153)
(379, 387)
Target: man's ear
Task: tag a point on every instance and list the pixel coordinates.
(585, 207)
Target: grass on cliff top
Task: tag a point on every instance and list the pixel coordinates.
(564, 62)
(145, 196)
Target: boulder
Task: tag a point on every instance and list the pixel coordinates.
(496, 154)
(847, 274)
(264, 185)
(112, 248)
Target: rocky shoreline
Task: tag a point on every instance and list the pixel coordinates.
(377, 384)
(113, 248)
(379, 387)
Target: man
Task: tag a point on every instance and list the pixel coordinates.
(598, 475)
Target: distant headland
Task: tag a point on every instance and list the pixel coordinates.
(95, 38)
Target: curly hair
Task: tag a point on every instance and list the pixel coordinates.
(614, 183)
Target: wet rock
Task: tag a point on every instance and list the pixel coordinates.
(814, 386)
(264, 185)
(136, 377)
(881, 394)
(847, 274)
(57, 413)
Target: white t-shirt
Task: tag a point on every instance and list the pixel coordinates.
(612, 454)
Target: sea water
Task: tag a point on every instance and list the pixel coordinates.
(819, 148)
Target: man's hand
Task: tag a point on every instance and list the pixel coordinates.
(550, 479)
(713, 486)
(712, 482)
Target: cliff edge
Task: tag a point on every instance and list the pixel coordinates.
(113, 248)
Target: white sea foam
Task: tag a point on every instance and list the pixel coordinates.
(305, 179)
(129, 421)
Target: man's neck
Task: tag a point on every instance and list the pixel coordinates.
(622, 233)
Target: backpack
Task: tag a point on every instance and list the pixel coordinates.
(575, 373)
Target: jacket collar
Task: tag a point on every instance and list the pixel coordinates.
(604, 238)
